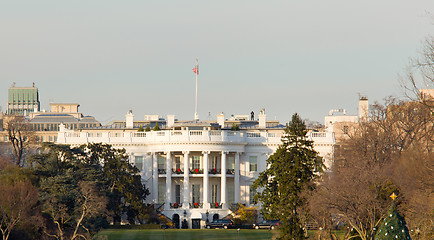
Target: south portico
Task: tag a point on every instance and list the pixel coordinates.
(195, 182)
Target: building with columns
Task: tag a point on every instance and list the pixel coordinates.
(195, 170)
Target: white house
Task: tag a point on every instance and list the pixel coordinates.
(196, 170)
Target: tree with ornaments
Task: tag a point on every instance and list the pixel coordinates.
(393, 226)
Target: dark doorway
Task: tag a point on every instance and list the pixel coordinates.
(215, 217)
(175, 220)
(195, 223)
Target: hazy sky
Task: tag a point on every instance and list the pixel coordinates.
(285, 56)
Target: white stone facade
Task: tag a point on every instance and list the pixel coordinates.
(197, 172)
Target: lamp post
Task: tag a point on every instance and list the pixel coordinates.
(184, 222)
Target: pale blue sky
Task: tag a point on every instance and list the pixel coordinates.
(285, 56)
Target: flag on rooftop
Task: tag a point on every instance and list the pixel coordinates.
(196, 69)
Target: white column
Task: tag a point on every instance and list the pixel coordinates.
(223, 181)
(205, 180)
(168, 180)
(155, 177)
(186, 180)
(237, 177)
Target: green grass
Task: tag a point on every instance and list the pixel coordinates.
(184, 234)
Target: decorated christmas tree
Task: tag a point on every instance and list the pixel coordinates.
(393, 226)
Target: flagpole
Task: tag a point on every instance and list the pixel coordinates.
(196, 117)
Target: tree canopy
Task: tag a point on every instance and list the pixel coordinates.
(83, 188)
(291, 170)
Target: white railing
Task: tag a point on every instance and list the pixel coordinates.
(319, 134)
(196, 133)
(176, 133)
(116, 134)
(139, 134)
(98, 135)
(253, 134)
(72, 135)
(215, 133)
(274, 135)
(171, 136)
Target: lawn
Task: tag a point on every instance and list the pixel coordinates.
(181, 234)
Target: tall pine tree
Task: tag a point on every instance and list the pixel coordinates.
(291, 170)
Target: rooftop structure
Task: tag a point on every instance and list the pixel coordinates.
(23, 100)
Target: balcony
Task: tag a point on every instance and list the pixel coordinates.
(216, 205)
(215, 171)
(196, 205)
(196, 171)
(176, 205)
(177, 171)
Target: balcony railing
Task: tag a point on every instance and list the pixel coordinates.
(196, 205)
(177, 171)
(216, 205)
(161, 171)
(215, 171)
(175, 205)
(230, 171)
(196, 171)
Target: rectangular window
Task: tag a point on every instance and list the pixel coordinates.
(214, 193)
(230, 163)
(177, 163)
(138, 162)
(161, 161)
(253, 163)
(177, 193)
(252, 194)
(161, 193)
(230, 192)
(345, 130)
(196, 193)
(214, 162)
(196, 162)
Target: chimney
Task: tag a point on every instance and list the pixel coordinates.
(262, 119)
(363, 109)
(221, 120)
(170, 120)
(129, 119)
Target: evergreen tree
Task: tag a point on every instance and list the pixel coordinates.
(141, 129)
(290, 171)
(147, 129)
(235, 127)
(393, 226)
(157, 128)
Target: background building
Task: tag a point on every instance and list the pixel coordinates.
(23, 100)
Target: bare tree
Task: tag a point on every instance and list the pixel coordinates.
(413, 172)
(20, 134)
(88, 203)
(366, 168)
(16, 204)
(420, 75)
